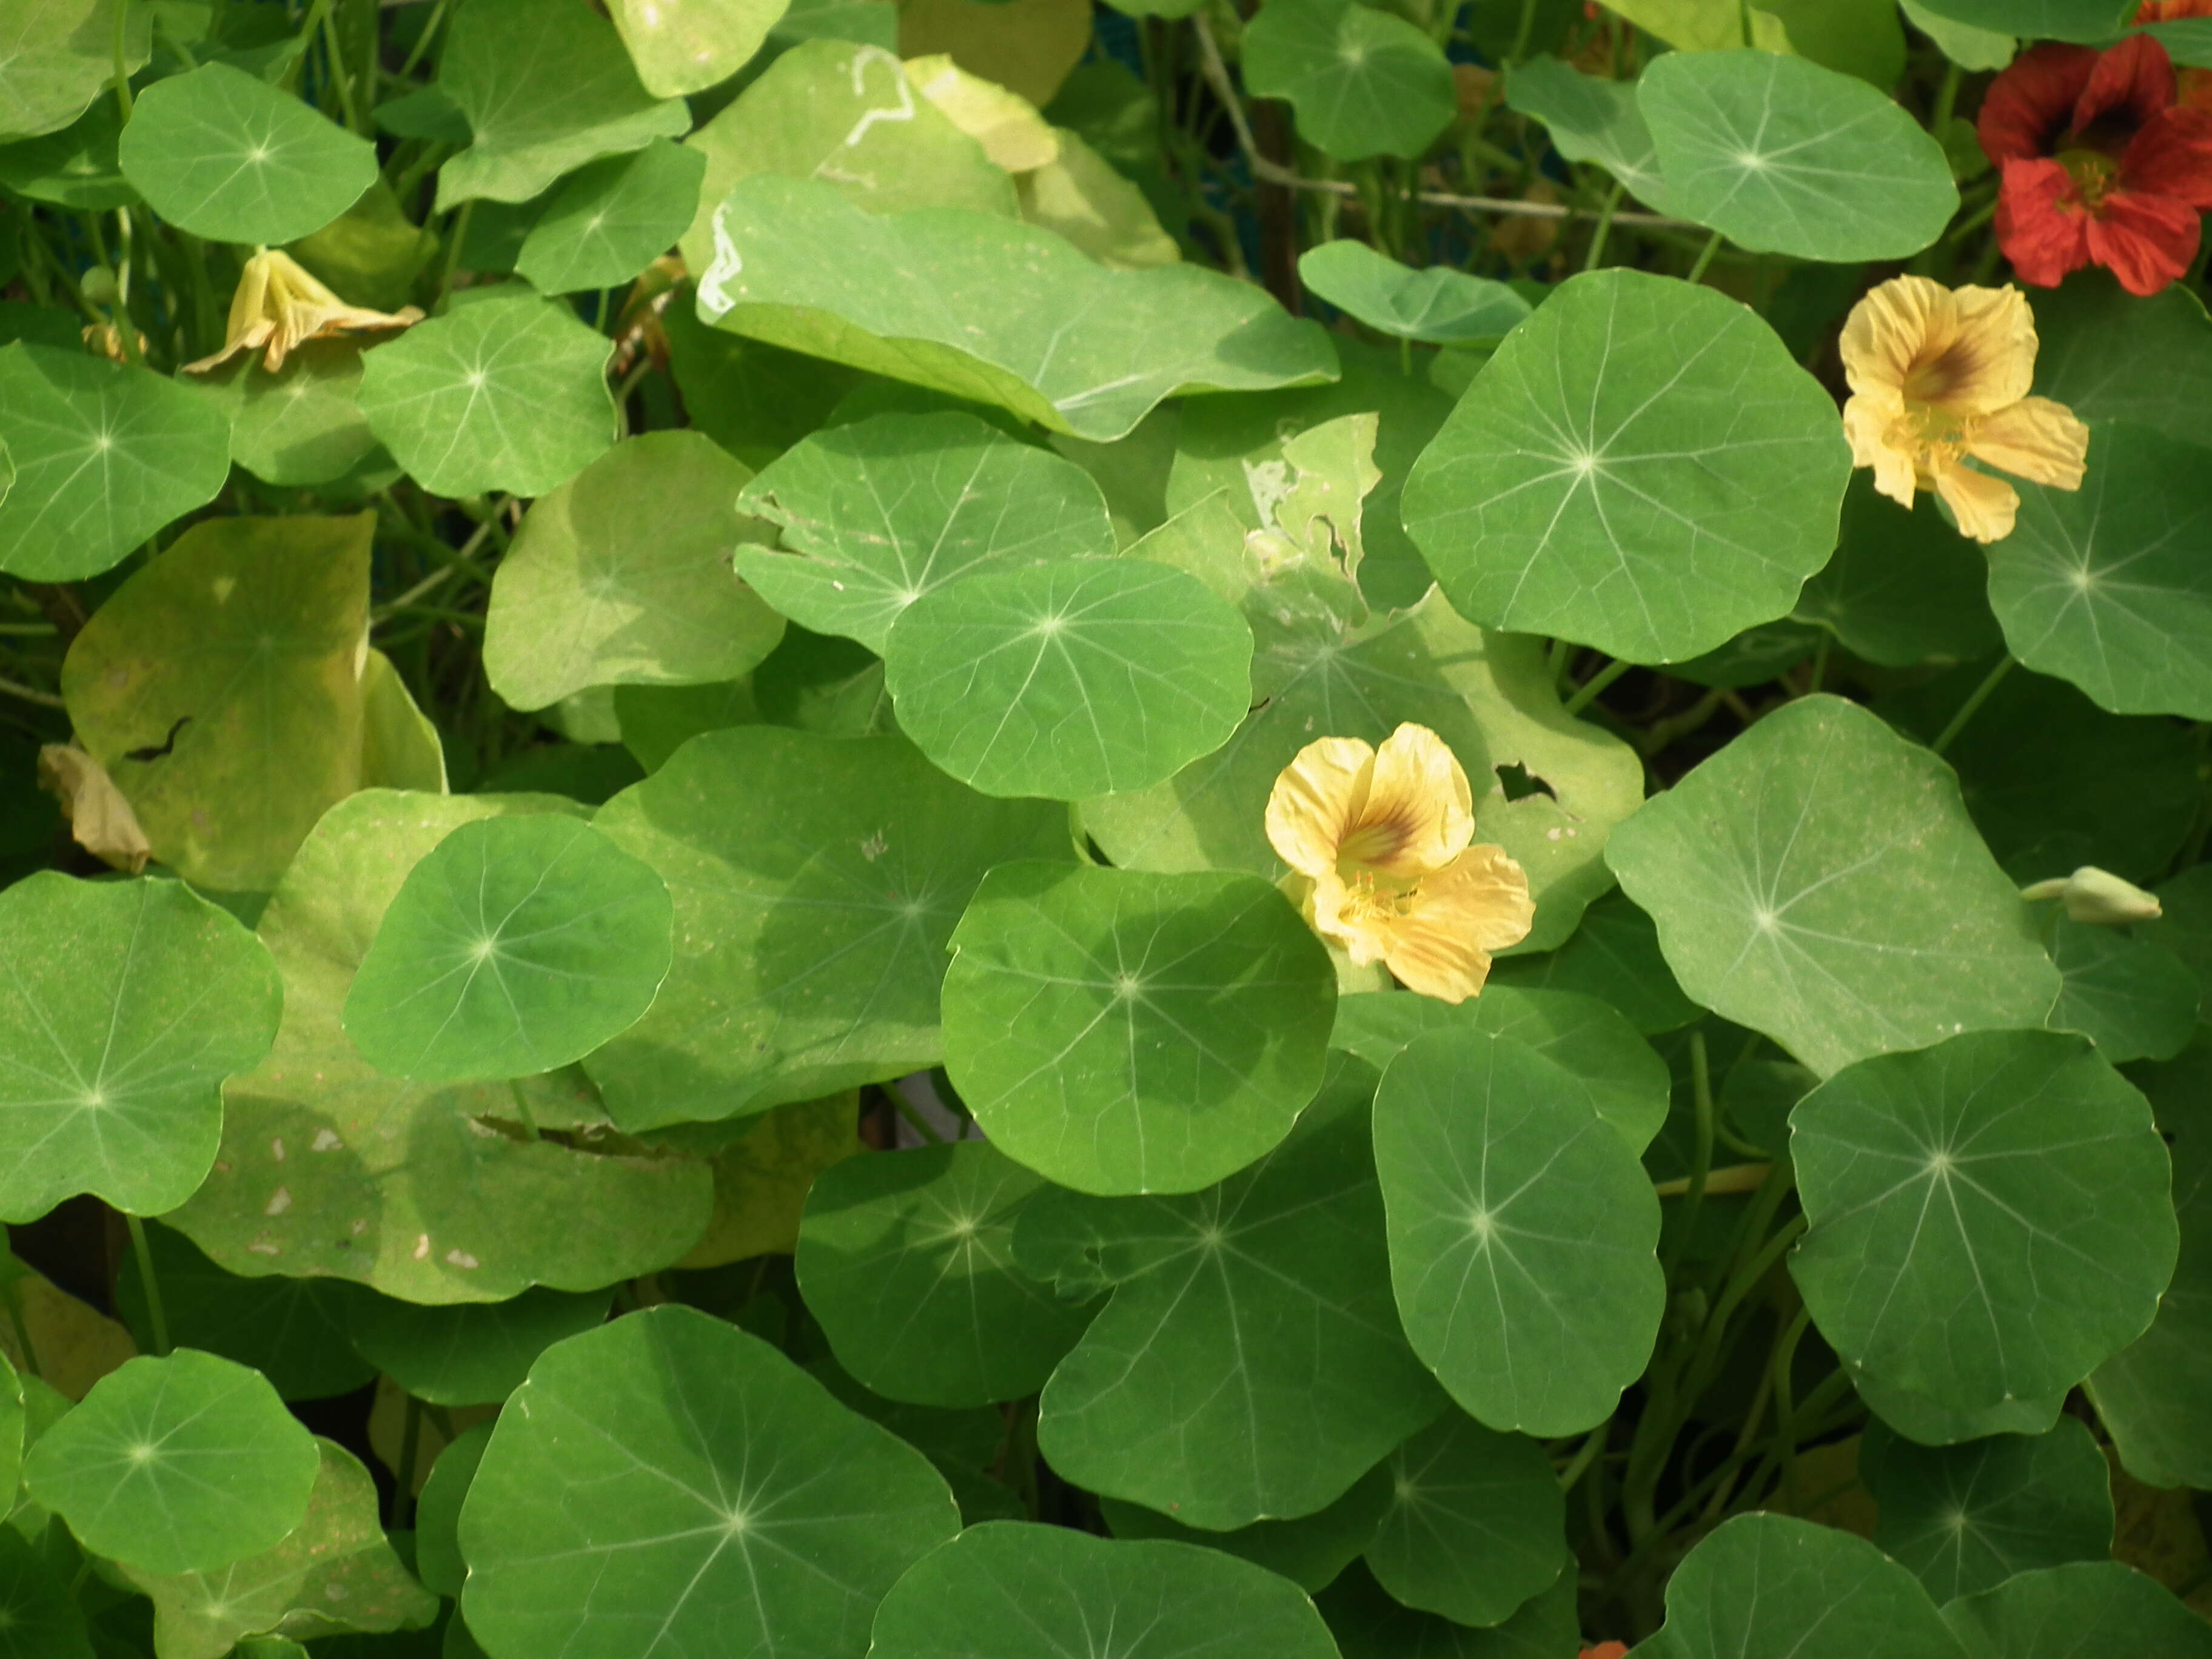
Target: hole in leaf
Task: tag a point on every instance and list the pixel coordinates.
(1519, 782)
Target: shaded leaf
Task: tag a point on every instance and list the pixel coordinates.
(470, 1353)
(609, 221)
(1311, 1550)
(1364, 81)
(2088, 1606)
(1476, 1524)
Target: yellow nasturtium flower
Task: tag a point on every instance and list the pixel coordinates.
(1938, 374)
(1377, 841)
(278, 305)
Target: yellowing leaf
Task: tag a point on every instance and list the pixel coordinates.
(100, 820)
(761, 1181)
(1007, 125)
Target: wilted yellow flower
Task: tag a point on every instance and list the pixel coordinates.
(278, 305)
(1938, 374)
(1378, 841)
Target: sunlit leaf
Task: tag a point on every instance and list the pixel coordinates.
(670, 1473)
(1641, 467)
(1123, 1032)
(1010, 1589)
(104, 455)
(1784, 157)
(611, 220)
(1362, 81)
(1590, 119)
(1078, 194)
(991, 310)
(817, 881)
(329, 1167)
(225, 155)
(546, 86)
(1523, 1233)
(1027, 46)
(1819, 880)
(505, 394)
(1990, 1217)
(684, 46)
(335, 1571)
(1249, 1365)
(182, 1464)
(885, 510)
(219, 686)
(1439, 305)
(301, 425)
(1966, 1518)
(125, 1006)
(56, 56)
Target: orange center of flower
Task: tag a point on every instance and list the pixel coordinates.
(1371, 843)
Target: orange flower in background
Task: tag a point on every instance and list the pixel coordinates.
(2193, 86)
(1379, 843)
(1938, 374)
(2100, 164)
(1607, 1651)
(278, 305)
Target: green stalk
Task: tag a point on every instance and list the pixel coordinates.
(1712, 246)
(410, 1446)
(1586, 692)
(1973, 704)
(157, 1316)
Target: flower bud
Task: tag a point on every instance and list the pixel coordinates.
(2097, 895)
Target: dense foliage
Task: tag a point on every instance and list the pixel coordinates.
(1354, 828)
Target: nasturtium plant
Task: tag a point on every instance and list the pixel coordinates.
(940, 828)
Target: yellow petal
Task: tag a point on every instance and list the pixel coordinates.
(1888, 329)
(1985, 506)
(2037, 440)
(1419, 814)
(1967, 351)
(1870, 423)
(1317, 801)
(1442, 948)
(1347, 920)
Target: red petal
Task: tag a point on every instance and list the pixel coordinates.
(2131, 83)
(2031, 103)
(2172, 157)
(2041, 225)
(2147, 241)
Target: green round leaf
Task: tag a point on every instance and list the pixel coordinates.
(2088, 1606)
(1929, 1421)
(668, 1480)
(1624, 1081)
(225, 155)
(468, 1353)
(1121, 1032)
(1368, 1623)
(887, 509)
(1903, 587)
(1009, 1590)
(907, 1262)
(1773, 1584)
(438, 1560)
(517, 945)
(122, 1007)
(221, 685)
(1614, 956)
(1966, 1518)
(104, 456)
(817, 881)
(1439, 305)
(331, 1167)
(989, 310)
(1069, 678)
(334, 1572)
(1523, 1233)
(74, 167)
(1588, 118)
(183, 1464)
(60, 54)
(1641, 467)
(2054, 19)
(545, 87)
(1476, 1525)
(686, 45)
(2129, 995)
(622, 576)
(1990, 1217)
(611, 220)
(1250, 1366)
(301, 425)
(504, 394)
(2155, 1396)
(1310, 1551)
(2109, 354)
(296, 1332)
(1364, 83)
(1819, 880)
(2102, 586)
(38, 1617)
(1784, 156)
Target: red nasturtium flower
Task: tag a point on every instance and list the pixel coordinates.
(2101, 166)
(2194, 85)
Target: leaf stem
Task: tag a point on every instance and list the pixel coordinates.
(522, 1108)
(410, 1448)
(1968, 710)
(1604, 225)
(122, 42)
(157, 1316)
(1705, 258)
(1586, 692)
